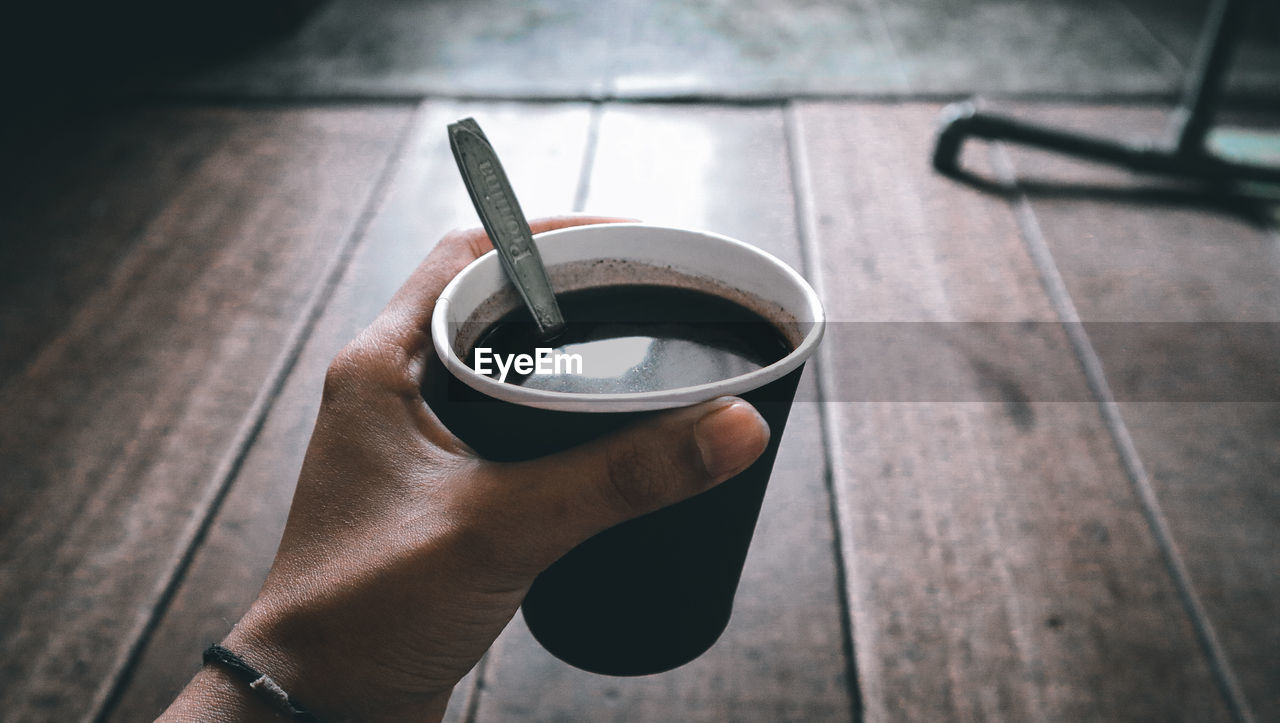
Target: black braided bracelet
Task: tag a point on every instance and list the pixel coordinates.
(263, 685)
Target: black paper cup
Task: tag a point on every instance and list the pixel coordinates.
(653, 593)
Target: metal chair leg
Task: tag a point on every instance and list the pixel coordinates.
(1185, 157)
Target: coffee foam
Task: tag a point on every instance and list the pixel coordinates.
(593, 273)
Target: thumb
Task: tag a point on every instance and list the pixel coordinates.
(650, 465)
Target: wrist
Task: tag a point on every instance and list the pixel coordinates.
(315, 666)
(214, 690)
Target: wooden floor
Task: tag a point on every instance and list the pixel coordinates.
(1079, 522)
(1034, 473)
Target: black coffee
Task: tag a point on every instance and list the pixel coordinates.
(632, 338)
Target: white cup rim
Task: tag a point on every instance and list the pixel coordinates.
(549, 243)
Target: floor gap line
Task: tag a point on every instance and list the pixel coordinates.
(1231, 100)
(472, 705)
(802, 197)
(1140, 480)
(588, 158)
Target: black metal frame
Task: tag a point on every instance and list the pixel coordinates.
(1192, 120)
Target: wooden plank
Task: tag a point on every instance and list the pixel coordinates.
(1212, 459)
(120, 423)
(770, 49)
(541, 149)
(584, 48)
(998, 46)
(75, 194)
(781, 657)
(404, 48)
(1000, 564)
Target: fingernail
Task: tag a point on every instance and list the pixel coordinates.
(730, 438)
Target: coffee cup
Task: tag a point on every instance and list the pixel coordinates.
(655, 592)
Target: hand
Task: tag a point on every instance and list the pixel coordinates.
(405, 554)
